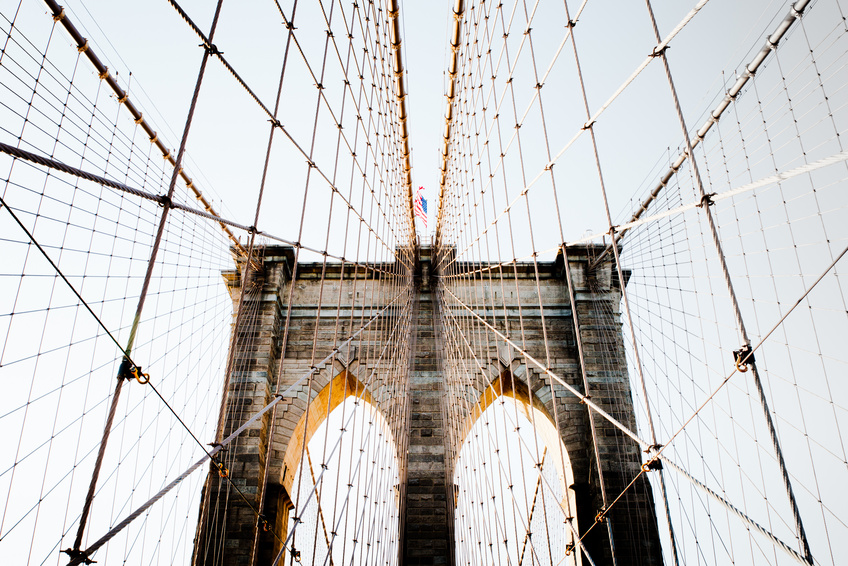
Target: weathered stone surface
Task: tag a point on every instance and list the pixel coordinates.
(418, 420)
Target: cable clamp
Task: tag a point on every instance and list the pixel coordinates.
(78, 556)
(211, 49)
(744, 358)
(84, 47)
(601, 516)
(706, 200)
(652, 465)
(165, 201)
(140, 118)
(571, 24)
(295, 554)
(276, 123)
(588, 125)
(154, 137)
(266, 526)
(129, 370)
(104, 74)
(222, 469)
(124, 98)
(657, 51)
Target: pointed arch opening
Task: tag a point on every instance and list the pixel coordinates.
(512, 481)
(341, 477)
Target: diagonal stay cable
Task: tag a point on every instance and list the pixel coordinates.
(80, 556)
(212, 50)
(123, 98)
(59, 272)
(660, 47)
(522, 442)
(210, 454)
(658, 454)
(615, 422)
(765, 182)
(74, 552)
(756, 347)
(162, 199)
(796, 12)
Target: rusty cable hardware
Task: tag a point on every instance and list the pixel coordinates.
(743, 358)
(129, 370)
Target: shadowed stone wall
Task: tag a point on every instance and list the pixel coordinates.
(498, 295)
(227, 532)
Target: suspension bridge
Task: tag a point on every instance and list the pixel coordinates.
(228, 335)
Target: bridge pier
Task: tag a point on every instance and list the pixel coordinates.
(427, 527)
(417, 411)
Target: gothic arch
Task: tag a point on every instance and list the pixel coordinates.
(508, 384)
(344, 385)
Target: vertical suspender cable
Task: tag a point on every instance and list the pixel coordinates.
(400, 96)
(458, 12)
(796, 514)
(145, 286)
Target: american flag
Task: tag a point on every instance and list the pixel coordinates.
(420, 206)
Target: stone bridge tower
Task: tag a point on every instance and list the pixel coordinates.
(417, 419)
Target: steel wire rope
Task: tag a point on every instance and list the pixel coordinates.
(60, 390)
(19, 286)
(753, 436)
(740, 323)
(264, 481)
(213, 50)
(659, 48)
(34, 158)
(477, 455)
(521, 441)
(472, 350)
(122, 96)
(309, 391)
(514, 422)
(74, 552)
(215, 450)
(802, 297)
(65, 109)
(772, 42)
(318, 311)
(511, 72)
(800, 141)
(444, 279)
(358, 399)
(528, 35)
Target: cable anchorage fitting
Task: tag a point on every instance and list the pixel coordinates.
(129, 370)
(211, 49)
(706, 200)
(657, 51)
(601, 516)
(78, 556)
(222, 469)
(653, 463)
(744, 358)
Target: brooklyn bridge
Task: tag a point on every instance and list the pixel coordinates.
(461, 282)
